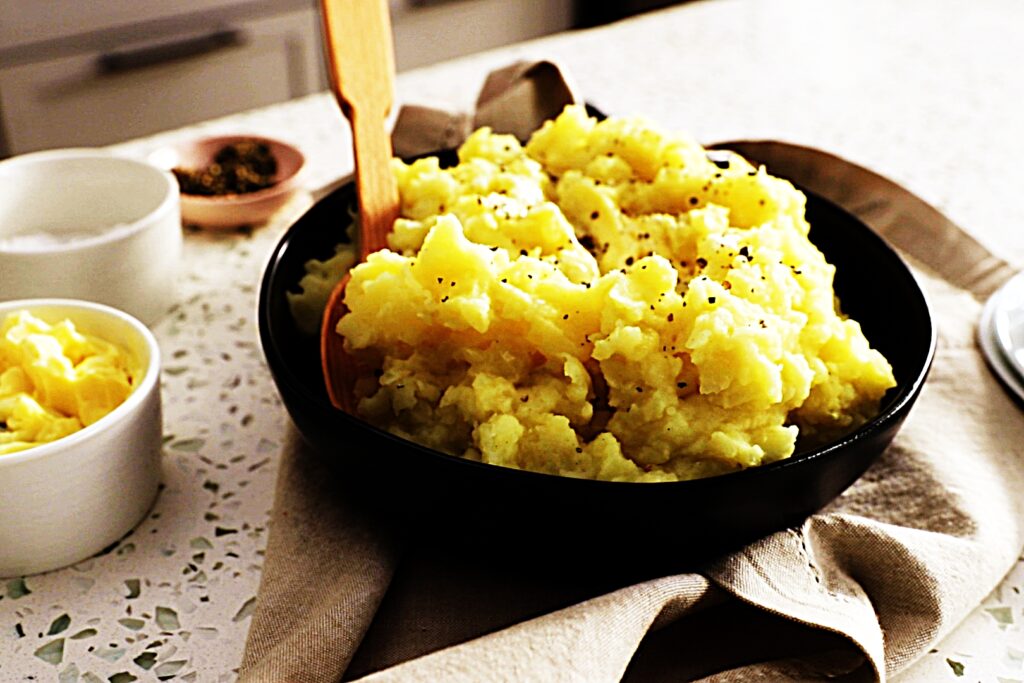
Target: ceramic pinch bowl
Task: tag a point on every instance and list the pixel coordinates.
(65, 500)
(227, 211)
(86, 224)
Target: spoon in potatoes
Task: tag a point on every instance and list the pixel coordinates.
(361, 65)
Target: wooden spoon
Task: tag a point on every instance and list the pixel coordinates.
(362, 69)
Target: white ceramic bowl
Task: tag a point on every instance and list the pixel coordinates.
(233, 210)
(84, 224)
(63, 501)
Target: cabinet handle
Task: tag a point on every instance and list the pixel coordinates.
(121, 61)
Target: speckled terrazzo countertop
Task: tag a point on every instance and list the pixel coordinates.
(924, 92)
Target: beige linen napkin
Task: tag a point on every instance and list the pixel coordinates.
(856, 593)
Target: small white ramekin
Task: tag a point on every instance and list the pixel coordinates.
(63, 501)
(85, 224)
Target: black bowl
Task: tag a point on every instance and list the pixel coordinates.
(690, 520)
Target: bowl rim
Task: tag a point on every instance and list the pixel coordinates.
(283, 184)
(150, 220)
(123, 412)
(898, 405)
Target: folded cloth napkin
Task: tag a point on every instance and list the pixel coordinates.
(856, 593)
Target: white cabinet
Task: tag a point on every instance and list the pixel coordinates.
(95, 72)
(106, 88)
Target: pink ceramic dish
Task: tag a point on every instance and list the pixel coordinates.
(234, 210)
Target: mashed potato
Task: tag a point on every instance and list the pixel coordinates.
(606, 302)
(55, 380)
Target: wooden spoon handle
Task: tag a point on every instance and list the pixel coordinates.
(358, 34)
(375, 182)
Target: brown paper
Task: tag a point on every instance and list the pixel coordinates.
(856, 593)
(516, 99)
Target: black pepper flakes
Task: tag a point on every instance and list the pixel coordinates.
(444, 299)
(711, 299)
(522, 252)
(629, 261)
(671, 317)
(639, 390)
(681, 385)
(702, 262)
(594, 215)
(693, 201)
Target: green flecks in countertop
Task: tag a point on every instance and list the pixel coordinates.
(957, 667)
(259, 464)
(1002, 615)
(188, 445)
(165, 670)
(109, 653)
(16, 588)
(69, 674)
(52, 652)
(146, 660)
(83, 634)
(59, 625)
(122, 677)
(167, 618)
(89, 677)
(245, 610)
(132, 623)
(84, 583)
(200, 543)
(134, 588)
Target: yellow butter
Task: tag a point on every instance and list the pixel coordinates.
(605, 302)
(54, 380)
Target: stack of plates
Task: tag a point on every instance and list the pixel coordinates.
(1001, 333)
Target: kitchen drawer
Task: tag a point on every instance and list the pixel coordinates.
(25, 22)
(97, 98)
